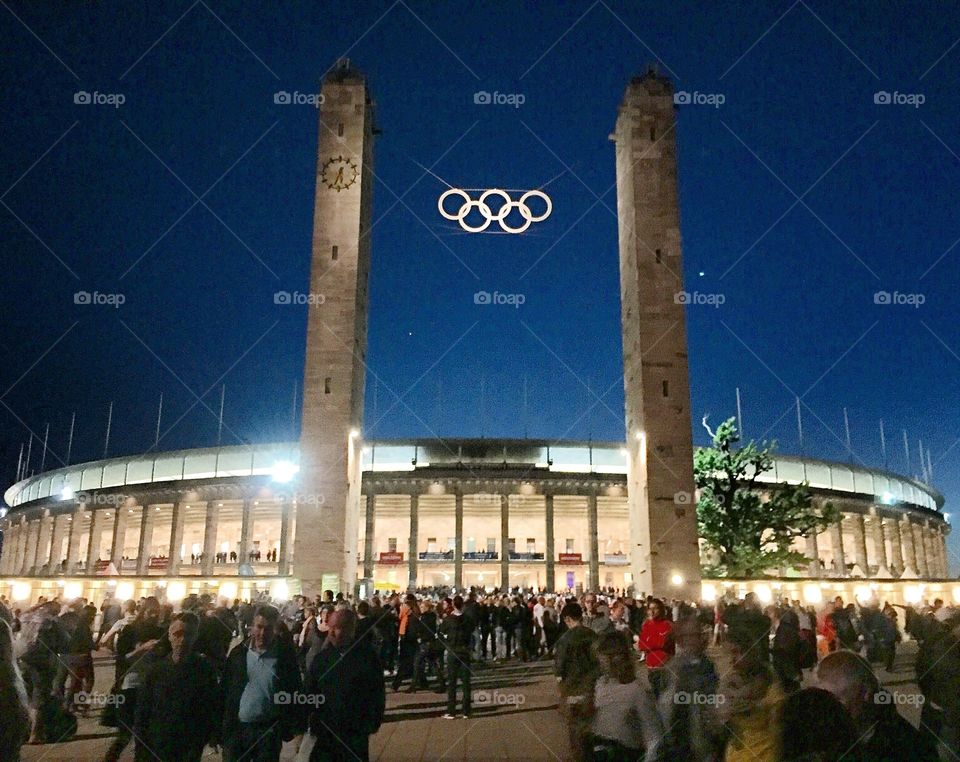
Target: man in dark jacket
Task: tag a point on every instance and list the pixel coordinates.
(577, 670)
(178, 706)
(345, 691)
(455, 632)
(883, 734)
(430, 650)
(261, 693)
(750, 627)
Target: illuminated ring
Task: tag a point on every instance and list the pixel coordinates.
(504, 210)
(484, 210)
(524, 214)
(443, 197)
(527, 214)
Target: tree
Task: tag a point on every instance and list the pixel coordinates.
(750, 526)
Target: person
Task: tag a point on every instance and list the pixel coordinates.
(138, 645)
(687, 703)
(576, 669)
(407, 640)
(78, 658)
(108, 636)
(788, 651)
(752, 701)
(593, 617)
(455, 632)
(938, 675)
(882, 733)
(43, 637)
(847, 636)
(748, 624)
(346, 694)
(429, 650)
(178, 706)
(15, 719)
(261, 684)
(656, 643)
(815, 727)
(624, 722)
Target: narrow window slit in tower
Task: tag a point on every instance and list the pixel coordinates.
(666, 388)
(335, 252)
(326, 385)
(340, 130)
(658, 253)
(653, 133)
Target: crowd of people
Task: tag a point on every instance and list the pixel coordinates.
(638, 678)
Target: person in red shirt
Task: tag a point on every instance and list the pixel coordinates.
(656, 643)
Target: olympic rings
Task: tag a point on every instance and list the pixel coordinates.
(488, 214)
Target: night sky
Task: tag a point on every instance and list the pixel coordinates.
(801, 198)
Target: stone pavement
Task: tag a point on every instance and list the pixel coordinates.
(514, 717)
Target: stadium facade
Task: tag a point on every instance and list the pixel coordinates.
(551, 516)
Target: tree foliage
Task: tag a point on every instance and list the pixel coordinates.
(748, 525)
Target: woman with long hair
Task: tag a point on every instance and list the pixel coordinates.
(625, 725)
(15, 719)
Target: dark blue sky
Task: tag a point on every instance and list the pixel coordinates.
(878, 185)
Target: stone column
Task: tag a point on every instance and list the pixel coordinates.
(147, 520)
(813, 551)
(550, 555)
(879, 544)
(593, 570)
(414, 538)
(836, 543)
(10, 540)
(246, 532)
(861, 568)
(944, 555)
(458, 548)
(892, 530)
(286, 525)
(910, 566)
(368, 538)
(60, 525)
(504, 542)
(209, 538)
(42, 554)
(928, 547)
(73, 541)
(920, 548)
(23, 539)
(177, 517)
(119, 537)
(97, 519)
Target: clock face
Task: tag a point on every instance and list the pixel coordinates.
(339, 173)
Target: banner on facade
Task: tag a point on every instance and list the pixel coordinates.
(571, 558)
(391, 557)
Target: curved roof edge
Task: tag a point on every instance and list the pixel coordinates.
(398, 454)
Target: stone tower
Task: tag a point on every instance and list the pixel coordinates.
(663, 525)
(328, 506)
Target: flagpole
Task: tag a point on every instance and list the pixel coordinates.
(800, 427)
(739, 415)
(846, 428)
(223, 394)
(906, 451)
(156, 437)
(43, 457)
(19, 461)
(106, 441)
(883, 445)
(73, 420)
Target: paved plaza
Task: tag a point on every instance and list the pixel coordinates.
(514, 717)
